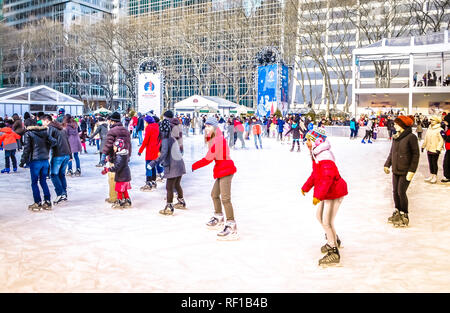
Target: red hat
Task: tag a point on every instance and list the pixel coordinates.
(404, 121)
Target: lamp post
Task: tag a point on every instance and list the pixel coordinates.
(151, 66)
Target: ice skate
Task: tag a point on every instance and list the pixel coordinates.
(332, 257)
(369, 141)
(118, 204)
(433, 179)
(15, 169)
(160, 177)
(47, 205)
(69, 173)
(99, 165)
(391, 218)
(5, 170)
(127, 203)
(181, 204)
(35, 207)
(428, 179)
(60, 199)
(445, 180)
(401, 220)
(229, 232)
(325, 248)
(216, 222)
(108, 200)
(362, 141)
(168, 210)
(147, 187)
(154, 185)
(78, 172)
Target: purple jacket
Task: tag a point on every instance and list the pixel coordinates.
(74, 138)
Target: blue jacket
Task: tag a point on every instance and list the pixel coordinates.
(280, 125)
(352, 125)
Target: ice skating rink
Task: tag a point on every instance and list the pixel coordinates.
(85, 246)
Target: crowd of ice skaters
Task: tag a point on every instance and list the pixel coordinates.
(49, 144)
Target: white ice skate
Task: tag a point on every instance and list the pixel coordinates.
(216, 222)
(429, 179)
(229, 232)
(433, 179)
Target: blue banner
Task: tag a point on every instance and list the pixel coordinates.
(284, 89)
(267, 87)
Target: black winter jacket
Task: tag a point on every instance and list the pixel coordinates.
(404, 154)
(36, 144)
(121, 167)
(62, 146)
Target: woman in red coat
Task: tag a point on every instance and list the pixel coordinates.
(329, 191)
(224, 170)
(151, 144)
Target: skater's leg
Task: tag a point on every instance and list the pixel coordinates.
(43, 180)
(77, 160)
(178, 187)
(329, 213)
(112, 186)
(126, 195)
(225, 192)
(403, 185)
(395, 190)
(256, 143)
(260, 143)
(7, 157)
(215, 195)
(62, 174)
(446, 164)
(170, 183)
(54, 174)
(13, 158)
(35, 167)
(434, 161)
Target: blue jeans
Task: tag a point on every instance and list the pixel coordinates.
(77, 161)
(140, 137)
(58, 174)
(256, 143)
(39, 172)
(352, 133)
(10, 154)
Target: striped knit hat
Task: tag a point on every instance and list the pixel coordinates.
(317, 132)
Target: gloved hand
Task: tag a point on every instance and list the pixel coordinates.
(315, 200)
(139, 154)
(421, 149)
(386, 170)
(105, 170)
(409, 176)
(22, 165)
(303, 193)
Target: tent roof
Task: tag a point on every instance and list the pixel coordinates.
(197, 101)
(402, 47)
(36, 95)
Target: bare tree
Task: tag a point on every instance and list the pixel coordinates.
(430, 15)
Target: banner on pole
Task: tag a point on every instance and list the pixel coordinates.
(149, 93)
(267, 87)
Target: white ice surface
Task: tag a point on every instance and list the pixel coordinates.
(85, 246)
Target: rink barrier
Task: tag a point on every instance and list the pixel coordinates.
(344, 131)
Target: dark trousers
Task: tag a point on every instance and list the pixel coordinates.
(280, 135)
(392, 132)
(352, 133)
(399, 187)
(367, 135)
(446, 164)
(10, 154)
(419, 135)
(172, 183)
(433, 162)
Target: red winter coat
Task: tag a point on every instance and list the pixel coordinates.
(220, 153)
(151, 142)
(238, 126)
(325, 178)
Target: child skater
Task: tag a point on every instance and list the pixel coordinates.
(224, 170)
(375, 131)
(122, 176)
(172, 161)
(83, 136)
(329, 191)
(295, 129)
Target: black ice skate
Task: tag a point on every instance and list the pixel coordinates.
(168, 210)
(401, 220)
(394, 214)
(35, 207)
(325, 248)
(69, 173)
(332, 257)
(229, 232)
(78, 172)
(154, 185)
(127, 203)
(147, 187)
(47, 205)
(119, 204)
(60, 199)
(180, 205)
(216, 222)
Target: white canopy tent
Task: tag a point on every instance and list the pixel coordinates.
(196, 102)
(36, 99)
